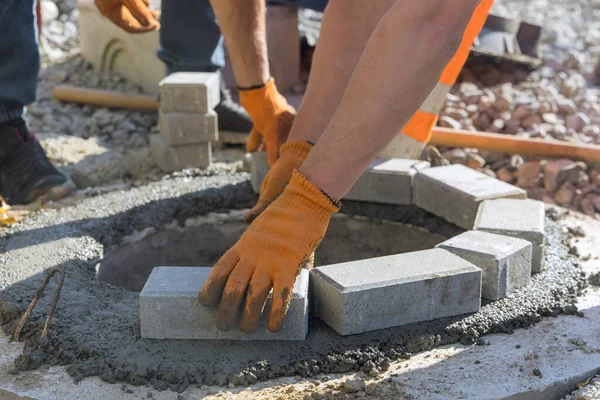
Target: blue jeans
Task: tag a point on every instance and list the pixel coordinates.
(19, 57)
(190, 39)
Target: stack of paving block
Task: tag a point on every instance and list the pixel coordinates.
(187, 121)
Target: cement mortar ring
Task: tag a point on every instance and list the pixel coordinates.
(96, 325)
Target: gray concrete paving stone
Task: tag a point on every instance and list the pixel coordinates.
(384, 292)
(188, 128)
(176, 158)
(196, 92)
(454, 192)
(505, 261)
(387, 181)
(169, 309)
(522, 219)
(258, 170)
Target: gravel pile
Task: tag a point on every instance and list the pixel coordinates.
(59, 33)
(558, 102)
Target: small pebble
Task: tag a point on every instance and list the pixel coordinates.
(125, 389)
(353, 385)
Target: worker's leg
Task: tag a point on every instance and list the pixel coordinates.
(190, 39)
(387, 87)
(20, 60)
(317, 5)
(25, 172)
(346, 28)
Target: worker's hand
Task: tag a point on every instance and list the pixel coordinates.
(269, 255)
(272, 117)
(134, 16)
(291, 156)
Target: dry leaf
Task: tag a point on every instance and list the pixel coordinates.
(5, 219)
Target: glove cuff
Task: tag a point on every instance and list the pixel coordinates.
(253, 97)
(263, 86)
(302, 194)
(295, 149)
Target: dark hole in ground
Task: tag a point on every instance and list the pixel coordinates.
(203, 241)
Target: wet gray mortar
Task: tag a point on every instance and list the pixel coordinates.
(96, 327)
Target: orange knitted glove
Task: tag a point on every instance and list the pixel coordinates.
(291, 156)
(133, 16)
(269, 255)
(272, 117)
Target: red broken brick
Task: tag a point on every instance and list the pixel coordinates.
(529, 174)
(557, 172)
(565, 194)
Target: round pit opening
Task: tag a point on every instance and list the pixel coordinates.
(202, 240)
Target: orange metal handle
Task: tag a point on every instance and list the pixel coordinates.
(104, 98)
(514, 145)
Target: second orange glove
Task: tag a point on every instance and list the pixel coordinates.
(133, 16)
(272, 117)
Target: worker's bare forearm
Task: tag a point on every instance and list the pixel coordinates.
(401, 64)
(345, 31)
(242, 23)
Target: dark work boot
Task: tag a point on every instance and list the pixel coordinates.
(25, 171)
(234, 122)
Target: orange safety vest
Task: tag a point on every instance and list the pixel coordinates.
(420, 125)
